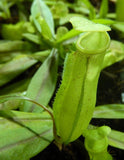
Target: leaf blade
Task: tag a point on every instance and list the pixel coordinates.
(103, 9)
(39, 7)
(18, 65)
(116, 139)
(109, 111)
(18, 141)
(43, 83)
(114, 54)
(84, 25)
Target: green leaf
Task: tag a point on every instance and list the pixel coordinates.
(119, 10)
(104, 21)
(12, 96)
(109, 111)
(11, 104)
(103, 9)
(13, 68)
(64, 20)
(61, 31)
(32, 37)
(8, 56)
(114, 54)
(111, 15)
(59, 9)
(84, 25)
(9, 46)
(91, 8)
(26, 134)
(45, 30)
(21, 96)
(4, 7)
(16, 86)
(72, 33)
(119, 26)
(13, 31)
(43, 83)
(41, 55)
(39, 8)
(116, 139)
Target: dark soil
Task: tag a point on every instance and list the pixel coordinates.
(73, 151)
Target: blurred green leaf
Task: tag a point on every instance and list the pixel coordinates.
(41, 55)
(12, 31)
(119, 10)
(64, 20)
(103, 9)
(114, 54)
(43, 83)
(39, 8)
(5, 9)
(9, 46)
(85, 25)
(8, 56)
(26, 134)
(32, 37)
(116, 139)
(61, 31)
(11, 105)
(104, 21)
(111, 15)
(18, 88)
(59, 9)
(118, 26)
(91, 8)
(15, 67)
(70, 34)
(111, 111)
(46, 32)
(81, 7)
(11, 101)
(15, 87)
